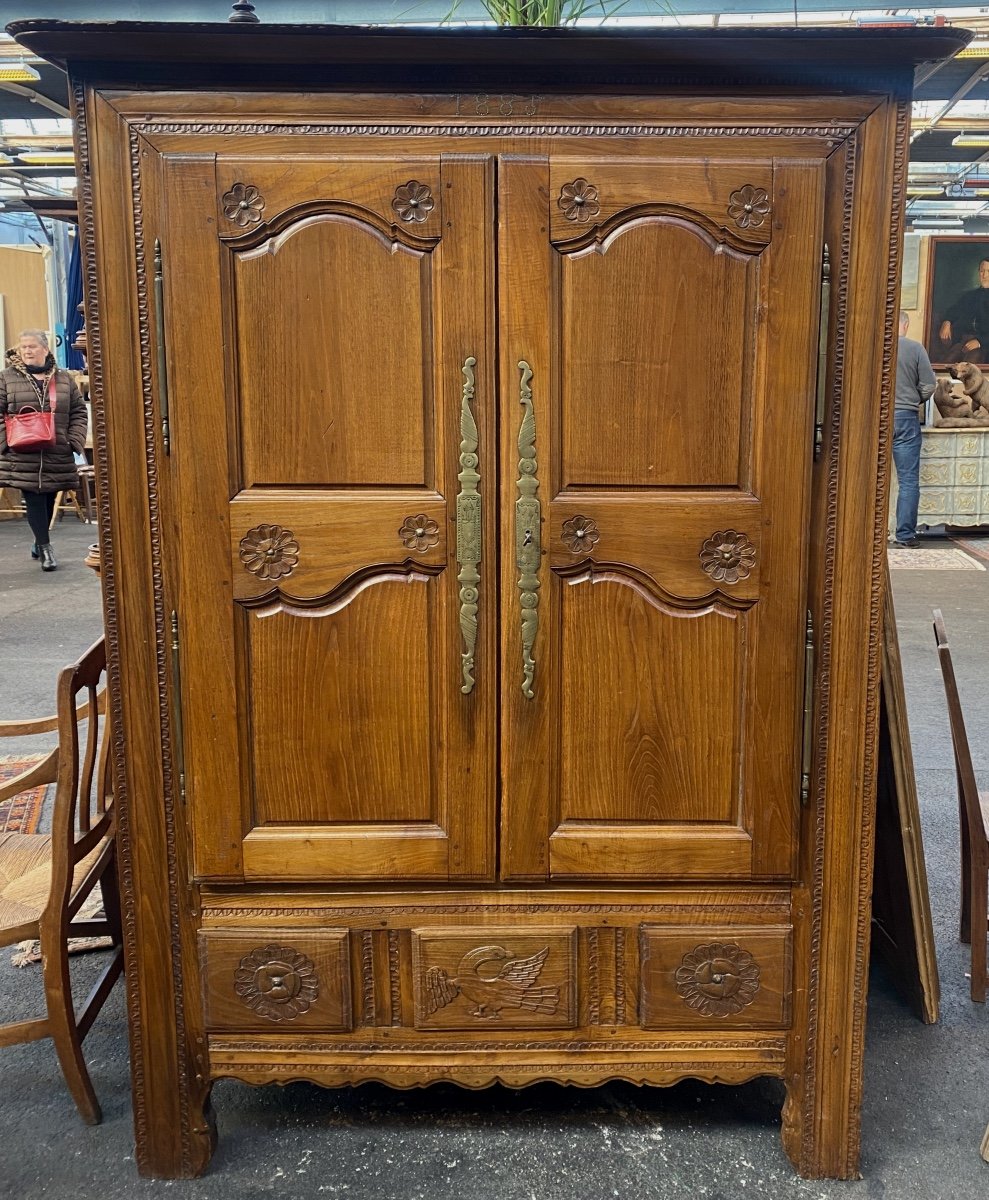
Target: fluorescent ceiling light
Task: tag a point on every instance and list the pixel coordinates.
(47, 158)
(5, 158)
(971, 139)
(17, 71)
(921, 190)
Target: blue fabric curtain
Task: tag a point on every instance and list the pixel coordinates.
(73, 319)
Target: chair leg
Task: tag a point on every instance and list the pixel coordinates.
(65, 1035)
(111, 901)
(979, 921)
(965, 930)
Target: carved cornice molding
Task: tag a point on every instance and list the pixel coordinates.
(773, 1046)
(684, 912)
(831, 133)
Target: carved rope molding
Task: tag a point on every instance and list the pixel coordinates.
(161, 660)
(867, 843)
(108, 572)
(224, 1044)
(832, 133)
(840, 296)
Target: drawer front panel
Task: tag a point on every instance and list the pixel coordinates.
(276, 979)
(495, 978)
(728, 977)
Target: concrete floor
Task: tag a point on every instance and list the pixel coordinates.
(927, 1088)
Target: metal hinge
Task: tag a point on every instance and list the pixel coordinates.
(178, 747)
(808, 710)
(822, 351)
(166, 436)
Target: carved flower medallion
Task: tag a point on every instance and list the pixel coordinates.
(243, 204)
(413, 201)
(718, 980)
(276, 982)
(579, 200)
(419, 533)
(728, 556)
(580, 534)
(269, 551)
(749, 206)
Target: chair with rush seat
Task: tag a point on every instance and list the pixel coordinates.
(46, 878)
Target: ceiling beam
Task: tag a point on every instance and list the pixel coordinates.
(36, 98)
(981, 72)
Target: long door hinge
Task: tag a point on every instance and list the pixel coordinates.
(166, 433)
(808, 730)
(178, 748)
(822, 351)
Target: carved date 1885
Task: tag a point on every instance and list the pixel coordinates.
(508, 105)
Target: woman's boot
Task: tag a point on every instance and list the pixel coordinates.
(48, 562)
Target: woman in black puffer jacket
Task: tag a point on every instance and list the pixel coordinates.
(40, 474)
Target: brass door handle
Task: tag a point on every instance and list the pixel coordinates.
(468, 527)
(527, 532)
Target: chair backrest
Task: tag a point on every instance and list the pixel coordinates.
(83, 815)
(968, 792)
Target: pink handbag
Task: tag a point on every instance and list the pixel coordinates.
(32, 428)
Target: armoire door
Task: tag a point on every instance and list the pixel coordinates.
(330, 393)
(659, 330)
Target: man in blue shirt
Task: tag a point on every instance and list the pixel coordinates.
(914, 383)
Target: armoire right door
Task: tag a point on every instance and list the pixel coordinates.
(659, 324)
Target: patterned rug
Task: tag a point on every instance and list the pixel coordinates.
(942, 558)
(22, 813)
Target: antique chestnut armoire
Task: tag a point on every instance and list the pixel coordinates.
(493, 428)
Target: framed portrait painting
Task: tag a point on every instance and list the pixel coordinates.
(958, 301)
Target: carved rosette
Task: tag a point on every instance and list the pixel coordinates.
(419, 533)
(580, 534)
(578, 201)
(749, 206)
(413, 202)
(269, 551)
(728, 556)
(243, 205)
(276, 982)
(718, 980)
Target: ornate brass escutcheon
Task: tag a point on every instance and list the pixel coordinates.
(527, 533)
(468, 526)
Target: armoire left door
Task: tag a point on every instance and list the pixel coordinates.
(329, 382)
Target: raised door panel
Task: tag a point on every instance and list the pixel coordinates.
(339, 710)
(653, 648)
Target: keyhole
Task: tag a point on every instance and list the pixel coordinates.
(527, 540)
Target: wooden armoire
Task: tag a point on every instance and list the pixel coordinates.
(493, 429)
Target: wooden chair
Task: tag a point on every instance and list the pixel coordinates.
(973, 810)
(45, 879)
